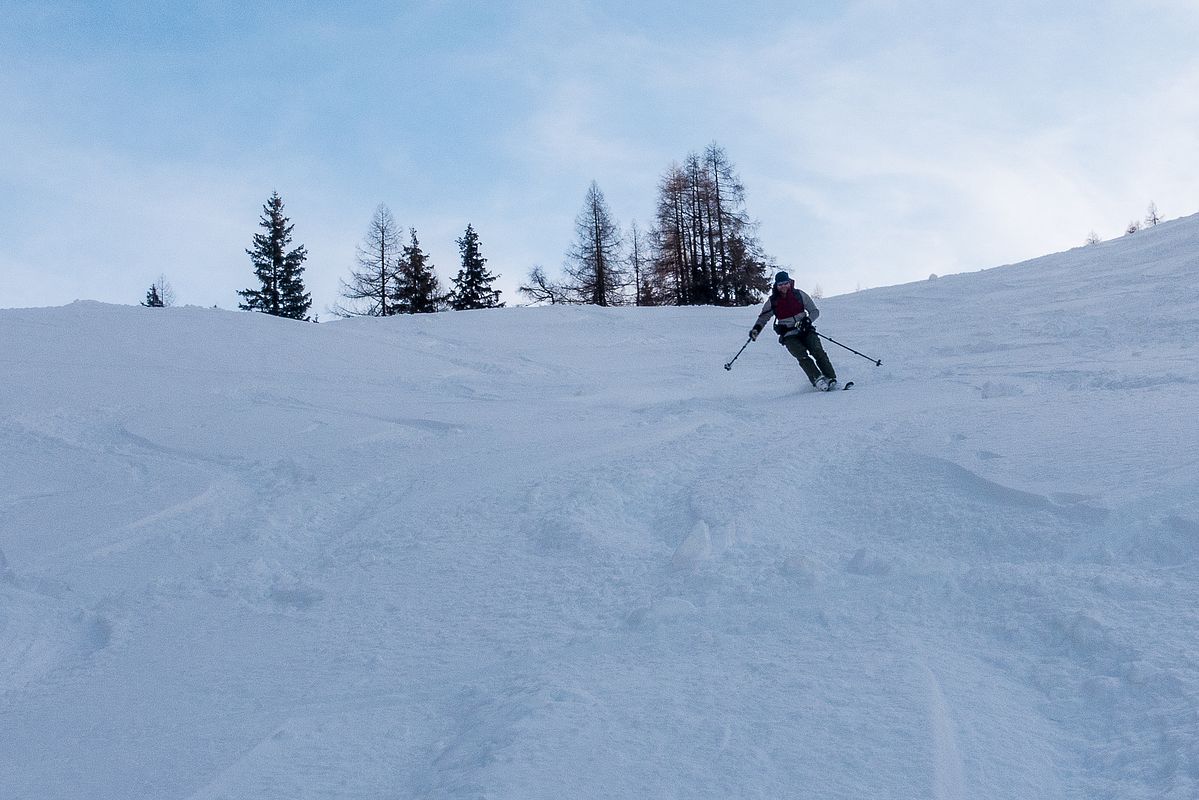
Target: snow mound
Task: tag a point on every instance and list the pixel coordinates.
(560, 552)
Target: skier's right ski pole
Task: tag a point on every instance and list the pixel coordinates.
(877, 363)
(729, 366)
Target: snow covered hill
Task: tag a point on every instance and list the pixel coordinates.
(562, 553)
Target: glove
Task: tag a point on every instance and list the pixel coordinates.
(753, 333)
(805, 325)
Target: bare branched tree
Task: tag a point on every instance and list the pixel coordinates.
(705, 245)
(595, 273)
(373, 281)
(637, 251)
(541, 289)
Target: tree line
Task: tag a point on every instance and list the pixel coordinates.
(701, 248)
(1152, 218)
(390, 276)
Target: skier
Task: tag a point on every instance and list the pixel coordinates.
(794, 312)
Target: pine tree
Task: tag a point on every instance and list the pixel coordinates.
(160, 294)
(596, 276)
(418, 291)
(472, 286)
(278, 270)
(374, 283)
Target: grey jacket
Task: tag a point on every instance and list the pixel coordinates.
(810, 311)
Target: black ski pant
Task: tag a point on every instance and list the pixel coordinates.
(800, 345)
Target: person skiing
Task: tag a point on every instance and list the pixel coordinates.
(794, 312)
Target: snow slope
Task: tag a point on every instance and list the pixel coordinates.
(560, 552)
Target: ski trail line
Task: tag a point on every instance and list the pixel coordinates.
(949, 781)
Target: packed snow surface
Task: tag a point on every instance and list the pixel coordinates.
(561, 553)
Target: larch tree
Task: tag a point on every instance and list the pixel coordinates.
(375, 278)
(637, 258)
(704, 245)
(596, 273)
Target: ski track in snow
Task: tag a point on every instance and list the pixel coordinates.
(948, 775)
(563, 553)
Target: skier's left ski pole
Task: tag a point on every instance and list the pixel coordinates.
(729, 366)
(877, 363)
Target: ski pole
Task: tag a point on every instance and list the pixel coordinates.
(877, 363)
(729, 366)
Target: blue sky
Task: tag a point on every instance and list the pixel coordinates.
(879, 141)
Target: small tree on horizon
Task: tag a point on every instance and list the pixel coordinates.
(640, 262)
(596, 275)
(278, 269)
(375, 279)
(472, 286)
(1093, 238)
(1132, 228)
(418, 290)
(1152, 217)
(541, 289)
(160, 294)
